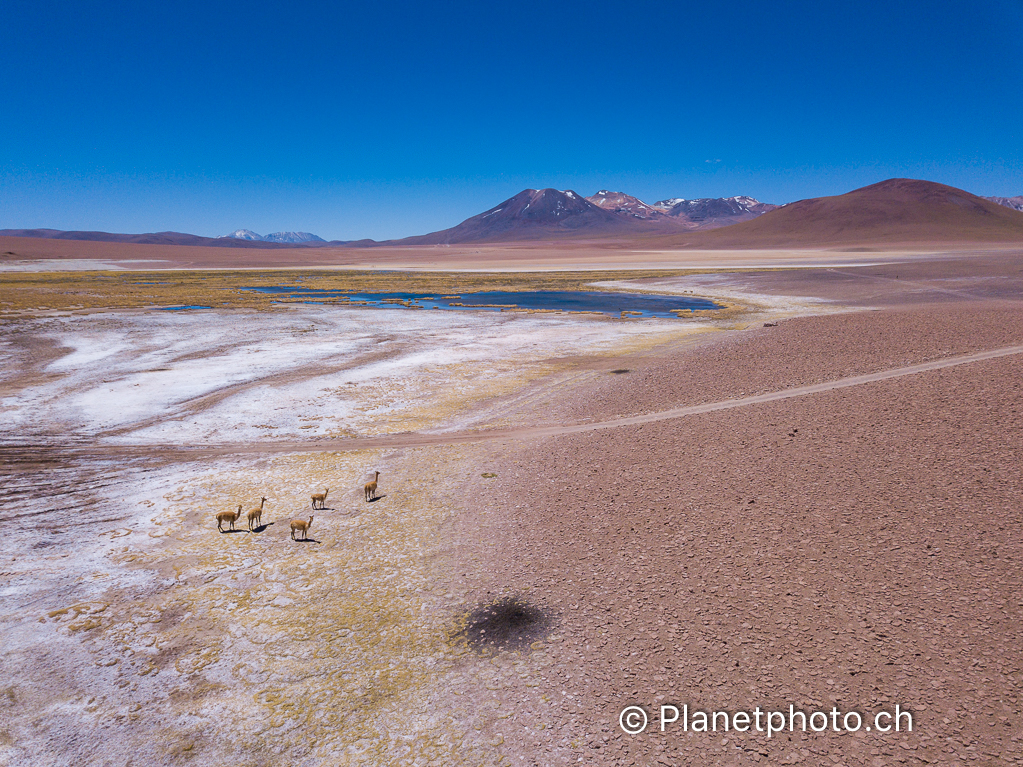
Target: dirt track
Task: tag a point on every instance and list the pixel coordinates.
(395, 441)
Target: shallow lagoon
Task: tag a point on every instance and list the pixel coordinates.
(613, 304)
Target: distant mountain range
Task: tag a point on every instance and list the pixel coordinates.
(892, 211)
(897, 210)
(701, 213)
(172, 238)
(284, 237)
(539, 214)
(1016, 203)
(707, 213)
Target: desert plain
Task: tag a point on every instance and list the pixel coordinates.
(813, 497)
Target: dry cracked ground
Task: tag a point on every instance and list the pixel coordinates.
(504, 600)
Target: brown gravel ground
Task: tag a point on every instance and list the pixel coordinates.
(859, 549)
(797, 352)
(951, 278)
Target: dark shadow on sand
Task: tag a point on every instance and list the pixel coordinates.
(510, 623)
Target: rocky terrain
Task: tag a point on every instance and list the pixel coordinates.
(619, 202)
(703, 213)
(857, 549)
(712, 213)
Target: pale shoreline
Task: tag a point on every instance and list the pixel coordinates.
(30, 254)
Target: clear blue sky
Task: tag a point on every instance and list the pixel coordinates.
(388, 119)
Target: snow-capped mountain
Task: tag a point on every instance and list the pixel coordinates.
(292, 237)
(712, 207)
(244, 234)
(619, 202)
(702, 213)
(1016, 203)
(553, 213)
(285, 237)
(535, 214)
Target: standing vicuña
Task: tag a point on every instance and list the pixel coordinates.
(320, 498)
(371, 487)
(298, 524)
(228, 516)
(256, 515)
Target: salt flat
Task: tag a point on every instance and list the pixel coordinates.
(132, 626)
(203, 376)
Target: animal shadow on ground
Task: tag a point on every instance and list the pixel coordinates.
(377, 498)
(305, 540)
(261, 528)
(235, 530)
(510, 623)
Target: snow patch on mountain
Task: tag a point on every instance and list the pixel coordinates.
(292, 237)
(1016, 203)
(619, 202)
(286, 237)
(243, 234)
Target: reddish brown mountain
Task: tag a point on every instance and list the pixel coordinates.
(713, 213)
(548, 214)
(692, 215)
(619, 202)
(897, 211)
(542, 214)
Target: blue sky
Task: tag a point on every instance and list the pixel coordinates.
(383, 120)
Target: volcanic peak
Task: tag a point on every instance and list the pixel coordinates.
(899, 210)
(244, 234)
(619, 202)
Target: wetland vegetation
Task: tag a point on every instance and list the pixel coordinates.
(28, 292)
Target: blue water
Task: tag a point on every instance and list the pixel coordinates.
(180, 308)
(495, 300)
